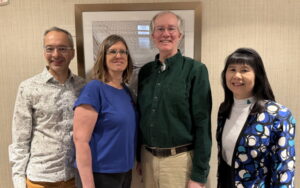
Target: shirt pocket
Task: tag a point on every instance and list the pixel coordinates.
(177, 92)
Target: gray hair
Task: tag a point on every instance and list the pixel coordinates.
(179, 20)
(70, 39)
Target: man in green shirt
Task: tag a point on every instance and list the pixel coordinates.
(174, 101)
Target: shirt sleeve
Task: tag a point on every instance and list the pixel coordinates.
(91, 95)
(283, 152)
(201, 104)
(19, 150)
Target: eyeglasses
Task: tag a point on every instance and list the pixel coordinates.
(115, 52)
(161, 30)
(60, 49)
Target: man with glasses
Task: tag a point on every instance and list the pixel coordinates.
(174, 101)
(42, 151)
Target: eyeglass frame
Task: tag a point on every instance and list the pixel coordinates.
(115, 52)
(60, 49)
(161, 29)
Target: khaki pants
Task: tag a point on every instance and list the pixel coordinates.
(166, 172)
(62, 184)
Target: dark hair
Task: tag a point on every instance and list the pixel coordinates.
(100, 71)
(262, 89)
(57, 29)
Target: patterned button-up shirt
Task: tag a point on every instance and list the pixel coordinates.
(42, 148)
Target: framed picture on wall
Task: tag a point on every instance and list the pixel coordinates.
(94, 22)
(4, 2)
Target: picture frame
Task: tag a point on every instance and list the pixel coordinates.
(94, 22)
(4, 2)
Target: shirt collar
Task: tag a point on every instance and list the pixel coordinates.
(169, 62)
(247, 101)
(48, 77)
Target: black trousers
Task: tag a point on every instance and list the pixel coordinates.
(225, 179)
(114, 180)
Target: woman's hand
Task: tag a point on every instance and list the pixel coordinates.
(139, 168)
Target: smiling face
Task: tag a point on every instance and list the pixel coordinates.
(116, 58)
(166, 35)
(240, 80)
(60, 54)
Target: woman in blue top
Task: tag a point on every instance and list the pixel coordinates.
(105, 120)
(255, 135)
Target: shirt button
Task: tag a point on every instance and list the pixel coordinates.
(158, 84)
(153, 110)
(151, 125)
(155, 98)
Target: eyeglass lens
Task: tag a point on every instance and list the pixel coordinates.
(61, 49)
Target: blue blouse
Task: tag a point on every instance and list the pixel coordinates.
(113, 141)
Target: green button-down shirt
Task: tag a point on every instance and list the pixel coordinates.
(175, 108)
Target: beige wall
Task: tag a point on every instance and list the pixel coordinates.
(272, 27)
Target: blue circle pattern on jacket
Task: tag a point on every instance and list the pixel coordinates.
(264, 155)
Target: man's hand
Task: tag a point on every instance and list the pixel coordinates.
(194, 184)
